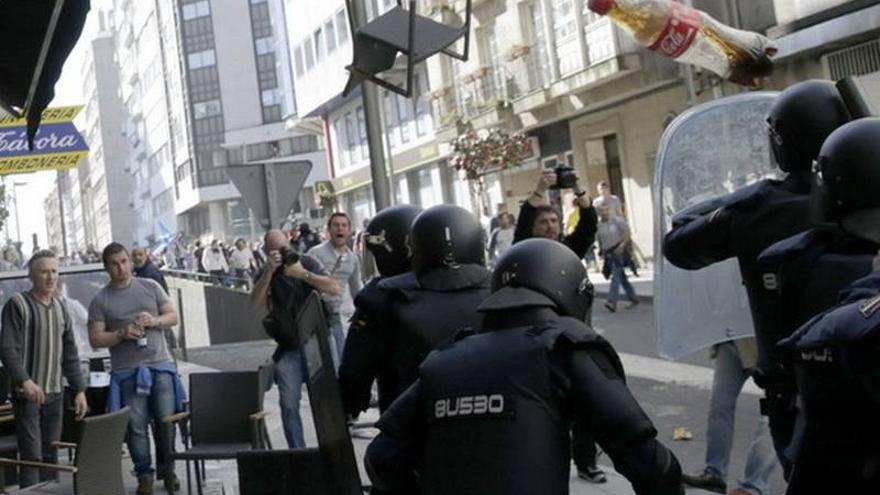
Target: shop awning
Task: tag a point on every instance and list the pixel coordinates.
(36, 36)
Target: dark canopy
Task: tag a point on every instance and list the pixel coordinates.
(28, 71)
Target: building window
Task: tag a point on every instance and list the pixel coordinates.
(271, 97)
(310, 55)
(362, 133)
(208, 108)
(196, 9)
(298, 60)
(201, 59)
(342, 26)
(342, 152)
(404, 116)
(330, 35)
(319, 45)
(350, 136)
(265, 45)
(424, 121)
(568, 46)
(391, 119)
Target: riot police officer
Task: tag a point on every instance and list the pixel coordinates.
(489, 413)
(747, 221)
(368, 345)
(439, 295)
(838, 360)
(808, 272)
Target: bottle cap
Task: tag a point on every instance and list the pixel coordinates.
(600, 7)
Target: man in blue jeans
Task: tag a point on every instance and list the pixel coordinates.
(614, 237)
(735, 360)
(129, 316)
(288, 287)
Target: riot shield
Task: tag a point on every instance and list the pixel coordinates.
(706, 152)
(334, 441)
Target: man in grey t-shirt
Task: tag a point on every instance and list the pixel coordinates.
(344, 266)
(128, 316)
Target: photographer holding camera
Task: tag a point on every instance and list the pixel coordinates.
(282, 288)
(539, 219)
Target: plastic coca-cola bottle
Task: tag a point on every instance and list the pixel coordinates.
(693, 37)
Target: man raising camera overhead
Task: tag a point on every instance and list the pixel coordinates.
(283, 287)
(539, 219)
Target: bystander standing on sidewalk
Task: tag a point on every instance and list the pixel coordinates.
(214, 262)
(242, 262)
(129, 316)
(37, 347)
(502, 236)
(613, 236)
(345, 267)
(145, 268)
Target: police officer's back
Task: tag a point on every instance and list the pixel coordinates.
(441, 293)
(809, 271)
(490, 412)
(368, 345)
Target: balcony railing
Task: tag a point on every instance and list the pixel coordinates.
(215, 176)
(478, 92)
(525, 74)
(466, 98)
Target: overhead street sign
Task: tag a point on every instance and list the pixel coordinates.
(57, 145)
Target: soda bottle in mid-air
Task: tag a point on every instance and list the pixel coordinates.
(693, 37)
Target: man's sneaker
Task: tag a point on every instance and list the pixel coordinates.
(592, 474)
(632, 304)
(705, 480)
(610, 306)
(145, 485)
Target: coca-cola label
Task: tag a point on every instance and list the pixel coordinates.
(680, 31)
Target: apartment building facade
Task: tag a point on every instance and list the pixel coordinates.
(104, 183)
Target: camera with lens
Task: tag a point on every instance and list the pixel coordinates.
(288, 256)
(565, 178)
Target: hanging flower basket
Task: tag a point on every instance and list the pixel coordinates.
(441, 93)
(476, 155)
(517, 51)
(476, 75)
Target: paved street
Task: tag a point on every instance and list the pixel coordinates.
(673, 394)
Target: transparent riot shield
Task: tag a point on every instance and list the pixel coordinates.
(706, 152)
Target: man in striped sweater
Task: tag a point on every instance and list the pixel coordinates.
(37, 347)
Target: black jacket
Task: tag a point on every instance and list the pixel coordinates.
(149, 270)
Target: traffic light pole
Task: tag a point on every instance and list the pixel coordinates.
(371, 102)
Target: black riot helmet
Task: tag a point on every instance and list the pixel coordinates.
(446, 235)
(388, 238)
(540, 272)
(848, 178)
(801, 118)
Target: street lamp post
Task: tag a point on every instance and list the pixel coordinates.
(15, 186)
